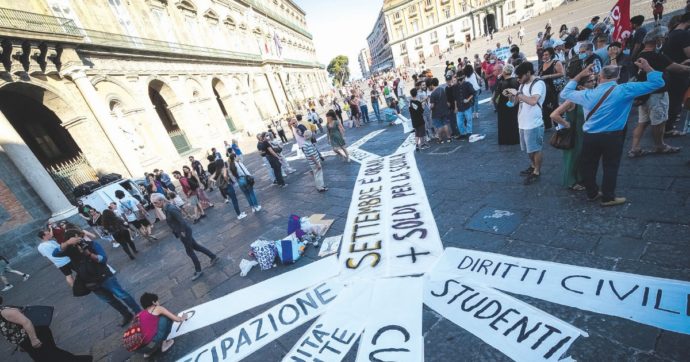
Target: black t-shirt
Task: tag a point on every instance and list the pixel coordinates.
(658, 62)
(261, 146)
(416, 113)
(676, 42)
(462, 91)
(637, 38)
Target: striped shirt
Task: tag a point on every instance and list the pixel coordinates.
(310, 154)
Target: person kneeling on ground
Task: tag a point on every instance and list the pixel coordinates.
(156, 323)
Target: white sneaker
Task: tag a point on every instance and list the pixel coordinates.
(7, 287)
(242, 215)
(227, 201)
(26, 277)
(116, 245)
(258, 208)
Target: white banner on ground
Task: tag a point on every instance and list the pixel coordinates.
(393, 331)
(366, 138)
(407, 124)
(662, 303)
(517, 329)
(408, 144)
(359, 155)
(390, 230)
(244, 299)
(336, 331)
(253, 334)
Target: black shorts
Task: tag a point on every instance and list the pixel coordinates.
(66, 270)
(139, 223)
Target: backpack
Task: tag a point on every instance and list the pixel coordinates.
(193, 183)
(530, 90)
(133, 338)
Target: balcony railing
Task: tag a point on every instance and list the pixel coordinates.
(261, 7)
(22, 20)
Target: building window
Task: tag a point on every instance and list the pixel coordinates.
(529, 3)
(403, 48)
(446, 12)
(510, 6)
(164, 25)
(449, 29)
(428, 2)
(433, 36)
(418, 41)
(396, 15)
(464, 6)
(415, 26)
(124, 19)
(465, 24)
(431, 19)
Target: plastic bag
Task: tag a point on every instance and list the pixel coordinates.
(265, 253)
(246, 266)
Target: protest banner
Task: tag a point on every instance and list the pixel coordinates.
(253, 334)
(502, 53)
(658, 302)
(513, 327)
(408, 145)
(393, 330)
(242, 300)
(390, 230)
(336, 331)
(365, 139)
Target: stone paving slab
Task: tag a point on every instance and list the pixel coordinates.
(647, 236)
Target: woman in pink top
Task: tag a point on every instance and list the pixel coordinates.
(156, 323)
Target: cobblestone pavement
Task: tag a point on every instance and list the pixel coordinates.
(648, 235)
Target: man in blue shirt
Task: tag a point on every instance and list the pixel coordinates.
(607, 108)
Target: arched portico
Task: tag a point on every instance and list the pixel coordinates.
(164, 101)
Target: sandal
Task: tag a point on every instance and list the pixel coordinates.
(638, 153)
(667, 150)
(673, 133)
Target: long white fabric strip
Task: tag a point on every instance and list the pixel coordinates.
(393, 331)
(662, 303)
(517, 329)
(257, 332)
(336, 331)
(244, 299)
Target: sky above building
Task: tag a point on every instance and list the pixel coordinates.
(340, 27)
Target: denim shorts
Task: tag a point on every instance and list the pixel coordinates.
(440, 122)
(532, 140)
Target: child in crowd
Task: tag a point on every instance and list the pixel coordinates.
(417, 115)
(312, 155)
(6, 268)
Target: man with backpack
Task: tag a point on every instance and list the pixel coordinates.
(89, 261)
(135, 214)
(529, 98)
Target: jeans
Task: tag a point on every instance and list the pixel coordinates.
(365, 113)
(190, 245)
(277, 172)
(281, 134)
(475, 102)
(377, 111)
(464, 119)
(230, 191)
(164, 328)
(607, 146)
(112, 293)
(248, 191)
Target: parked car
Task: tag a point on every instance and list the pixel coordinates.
(99, 197)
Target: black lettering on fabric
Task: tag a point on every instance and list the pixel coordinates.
(600, 284)
(259, 322)
(558, 346)
(303, 303)
(319, 334)
(372, 355)
(496, 268)
(645, 297)
(657, 304)
(541, 276)
(502, 317)
(486, 263)
(613, 289)
(321, 293)
(390, 327)
(243, 338)
(190, 314)
(199, 355)
(465, 258)
(469, 309)
(464, 289)
(281, 316)
(407, 224)
(343, 336)
(563, 283)
(273, 321)
(509, 266)
(225, 345)
(527, 269)
(370, 181)
(327, 346)
(551, 330)
(413, 254)
(422, 234)
(493, 303)
(523, 333)
(445, 288)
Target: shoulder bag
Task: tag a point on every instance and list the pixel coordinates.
(564, 138)
(249, 178)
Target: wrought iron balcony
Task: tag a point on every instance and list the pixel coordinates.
(86, 38)
(22, 20)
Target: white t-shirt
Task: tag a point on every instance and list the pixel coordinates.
(473, 80)
(530, 116)
(46, 249)
(129, 209)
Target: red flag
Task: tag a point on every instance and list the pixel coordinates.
(620, 14)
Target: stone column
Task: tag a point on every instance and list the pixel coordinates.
(33, 171)
(100, 110)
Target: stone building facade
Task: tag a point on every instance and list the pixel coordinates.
(93, 87)
(364, 60)
(420, 29)
(379, 46)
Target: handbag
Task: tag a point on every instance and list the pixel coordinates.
(39, 315)
(563, 139)
(249, 178)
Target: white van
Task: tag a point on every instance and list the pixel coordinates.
(101, 197)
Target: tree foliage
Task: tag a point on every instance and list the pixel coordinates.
(339, 69)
